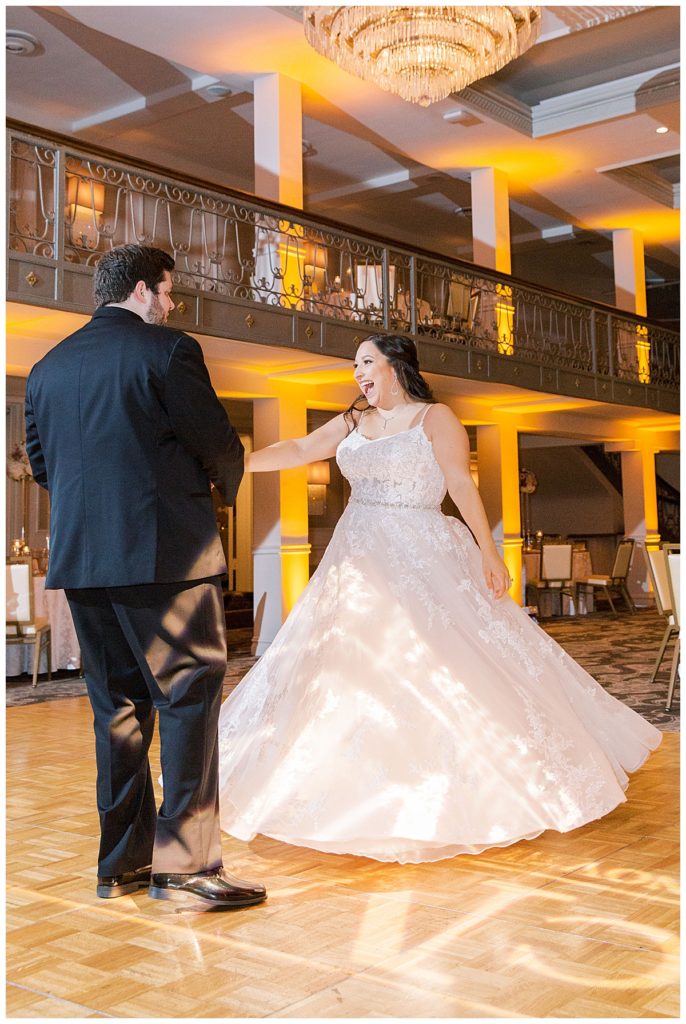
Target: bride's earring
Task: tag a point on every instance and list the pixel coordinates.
(395, 390)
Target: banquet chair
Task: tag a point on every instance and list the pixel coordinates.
(616, 581)
(673, 566)
(21, 625)
(463, 301)
(555, 571)
(665, 592)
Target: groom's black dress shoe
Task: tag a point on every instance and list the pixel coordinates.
(110, 886)
(214, 888)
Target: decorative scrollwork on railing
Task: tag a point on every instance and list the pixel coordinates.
(468, 308)
(644, 353)
(235, 248)
(222, 246)
(31, 206)
(553, 331)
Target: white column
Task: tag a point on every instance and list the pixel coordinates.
(244, 526)
(279, 140)
(279, 249)
(491, 248)
(632, 344)
(629, 268)
(639, 490)
(491, 219)
(498, 463)
(281, 546)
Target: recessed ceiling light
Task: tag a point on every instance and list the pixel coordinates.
(21, 44)
(662, 130)
(217, 89)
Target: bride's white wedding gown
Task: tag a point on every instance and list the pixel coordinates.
(404, 714)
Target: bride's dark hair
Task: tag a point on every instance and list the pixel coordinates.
(401, 353)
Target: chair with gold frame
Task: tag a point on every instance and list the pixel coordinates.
(662, 562)
(673, 567)
(555, 572)
(616, 581)
(21, 624)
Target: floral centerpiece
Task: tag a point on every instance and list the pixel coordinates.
(527, 486)
(18, 465)
(19, 469)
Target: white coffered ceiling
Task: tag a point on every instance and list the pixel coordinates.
(572, 123)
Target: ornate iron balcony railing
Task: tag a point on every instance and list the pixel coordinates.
(254, 270)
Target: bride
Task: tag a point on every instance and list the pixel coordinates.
(408, 709)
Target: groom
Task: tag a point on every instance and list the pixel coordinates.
(126, 433)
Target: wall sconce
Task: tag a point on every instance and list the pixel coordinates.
(315, 268)
(318, 478)
(85, 204)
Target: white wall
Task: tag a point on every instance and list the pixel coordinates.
(667, 465)
(572, 497)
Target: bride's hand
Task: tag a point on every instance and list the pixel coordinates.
(496, 574)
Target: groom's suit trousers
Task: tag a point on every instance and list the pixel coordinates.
(147, 649)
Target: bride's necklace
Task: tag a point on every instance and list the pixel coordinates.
(387, 419)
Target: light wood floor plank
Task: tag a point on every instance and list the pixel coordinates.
(577, 925)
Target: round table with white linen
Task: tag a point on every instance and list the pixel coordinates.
(64, 649)
(581, 570)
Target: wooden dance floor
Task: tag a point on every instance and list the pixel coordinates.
(582, 925)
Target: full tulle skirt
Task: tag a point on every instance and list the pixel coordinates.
(404, 714)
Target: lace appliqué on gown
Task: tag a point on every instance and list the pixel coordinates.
(402, 713)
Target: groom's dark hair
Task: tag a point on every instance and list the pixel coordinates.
(119, 271)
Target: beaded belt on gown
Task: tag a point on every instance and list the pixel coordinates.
(393, 504)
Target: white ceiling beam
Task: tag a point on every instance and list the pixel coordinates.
(134, 106)
(666, 440)
(202, 81)
(606, 101)
(560, 233)
(578, 108)
(369, 185)
(110, 114)
(576, 19)
(498, 106)
(644, 160)
(332, 366)
(551, 235)
(640, 176)
(648, 183)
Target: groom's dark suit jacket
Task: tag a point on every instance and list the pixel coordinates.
(126, 432)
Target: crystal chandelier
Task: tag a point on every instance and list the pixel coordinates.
(421, 53)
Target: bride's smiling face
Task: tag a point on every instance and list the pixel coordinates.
(373, 374)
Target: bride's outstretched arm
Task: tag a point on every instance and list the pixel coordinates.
(320, 444)
(451, 448)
